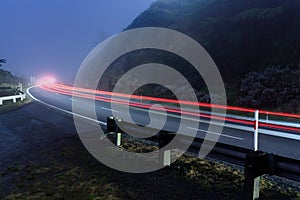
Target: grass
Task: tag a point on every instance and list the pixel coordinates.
(69, 172)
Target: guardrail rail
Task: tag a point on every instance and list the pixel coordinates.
(13, 97)
(255, 163)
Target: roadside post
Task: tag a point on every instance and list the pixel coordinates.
(118, 133)
(164, 139)
(254, 165)
(256, 118)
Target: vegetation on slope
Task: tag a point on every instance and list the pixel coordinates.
(248, 40)
(240, 35)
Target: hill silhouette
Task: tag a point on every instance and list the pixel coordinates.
(240, 35)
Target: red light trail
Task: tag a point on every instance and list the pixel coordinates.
(200, 104)
(94, 95)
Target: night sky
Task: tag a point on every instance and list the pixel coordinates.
(52, 37)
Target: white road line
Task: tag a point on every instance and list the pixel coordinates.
(57, 94)
(72, 100)
(234, 126)
(84, 117)
(108, 109)
(223, 135)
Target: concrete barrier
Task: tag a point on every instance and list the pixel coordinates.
(14, 98)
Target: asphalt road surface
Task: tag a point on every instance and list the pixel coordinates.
(272, 141)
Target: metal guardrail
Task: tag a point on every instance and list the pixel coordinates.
(13, 97)
(255, 163)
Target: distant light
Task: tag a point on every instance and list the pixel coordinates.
(47, 80)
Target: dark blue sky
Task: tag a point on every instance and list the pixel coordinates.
(40, 37)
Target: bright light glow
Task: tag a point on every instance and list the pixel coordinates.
(47, 80)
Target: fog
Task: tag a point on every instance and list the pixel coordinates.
(41, 37)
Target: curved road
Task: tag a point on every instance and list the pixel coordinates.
(283, 143)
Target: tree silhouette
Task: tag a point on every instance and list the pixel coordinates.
(2, 61)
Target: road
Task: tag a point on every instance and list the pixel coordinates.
(285, 143)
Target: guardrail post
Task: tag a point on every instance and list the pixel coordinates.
(1, 102)
(257, 164)
(14, 100)
(164, 139)
(119, 139)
